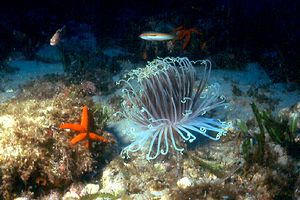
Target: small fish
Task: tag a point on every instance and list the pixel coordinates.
(154, 36)
(57, 36)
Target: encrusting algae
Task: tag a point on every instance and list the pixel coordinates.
(34, 151)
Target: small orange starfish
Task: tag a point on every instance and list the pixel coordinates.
(186, 33)
(84, 131)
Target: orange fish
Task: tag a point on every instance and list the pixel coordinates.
(57, 36)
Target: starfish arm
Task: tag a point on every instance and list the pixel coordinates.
(84, 118)
(178, 28)
(196, 31)
(180, 35)
(94, 136)
(74, 127)
(86, 144)
(78, 138)
(187, 41)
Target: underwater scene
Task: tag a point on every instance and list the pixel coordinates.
(150, 100)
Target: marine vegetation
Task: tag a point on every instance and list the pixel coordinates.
(102, 114)
(167, 108)
(281, 131)
(270, 153)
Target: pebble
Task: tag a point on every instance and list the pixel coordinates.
(184, 183)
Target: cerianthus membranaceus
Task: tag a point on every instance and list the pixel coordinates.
(167, 108)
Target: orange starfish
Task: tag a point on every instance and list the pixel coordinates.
(186, 33)
(84, 131)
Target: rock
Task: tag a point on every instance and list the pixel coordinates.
(282, 157)
(7, 121)
(71, 196)
(53, 195)
(113, 182)
(90, 189)
(184, 183)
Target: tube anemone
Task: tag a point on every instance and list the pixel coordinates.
(167, 106)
